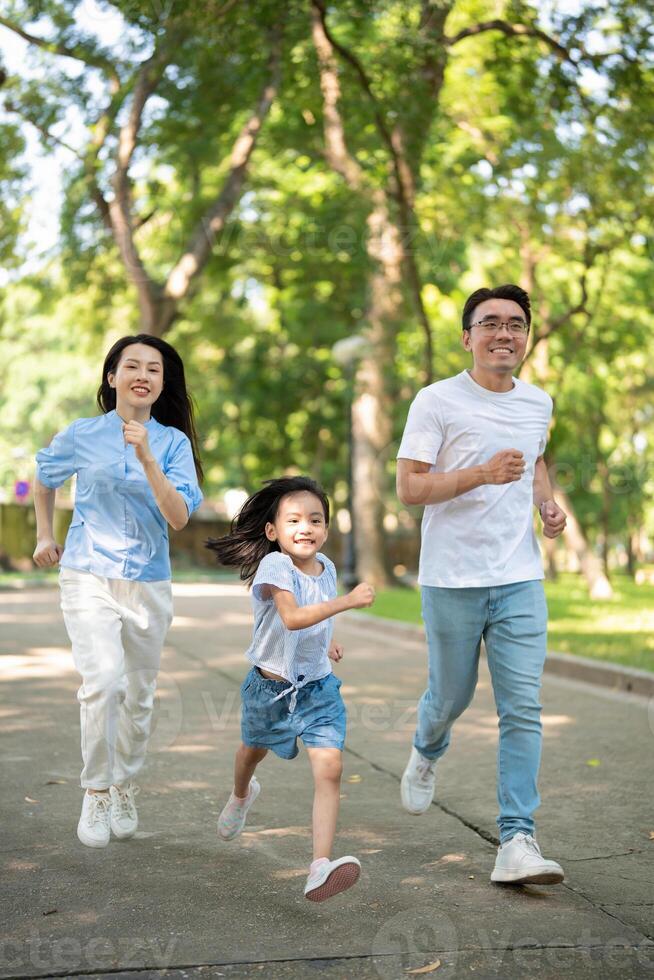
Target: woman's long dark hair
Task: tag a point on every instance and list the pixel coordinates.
(174, 405)
(247, 544)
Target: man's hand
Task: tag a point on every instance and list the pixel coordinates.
(136, 435)
(507, 466)
(554, 519)
(335, 651)
(47, 553)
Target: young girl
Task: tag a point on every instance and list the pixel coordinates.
(290, 691)
(137, 469)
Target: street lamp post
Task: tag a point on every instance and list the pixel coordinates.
(346, 354)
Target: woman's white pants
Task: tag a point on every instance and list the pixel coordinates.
(117, 629)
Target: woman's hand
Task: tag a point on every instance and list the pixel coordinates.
(335, 651)
(47, 553)
(136, 435)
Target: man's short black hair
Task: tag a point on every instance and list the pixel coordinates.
(508, 291)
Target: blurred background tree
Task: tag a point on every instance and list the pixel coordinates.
(258, 187)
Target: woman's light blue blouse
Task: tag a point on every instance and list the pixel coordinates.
(299, 656)
(117, 530)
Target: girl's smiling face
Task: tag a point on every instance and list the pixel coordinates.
(138, 379)
(299, 527)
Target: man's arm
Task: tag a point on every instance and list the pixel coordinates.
(554, 519)
(416, 485)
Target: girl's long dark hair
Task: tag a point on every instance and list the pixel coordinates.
(247, 544)
(174, 405)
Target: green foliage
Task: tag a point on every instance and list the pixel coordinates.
(529, 166)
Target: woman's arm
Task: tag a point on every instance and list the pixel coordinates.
(47, 551)
(169, 501)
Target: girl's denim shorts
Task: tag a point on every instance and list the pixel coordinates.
(319, 717)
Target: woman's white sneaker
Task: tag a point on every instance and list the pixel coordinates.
(124, 818)
(93, 828)
(418, 783)
(328, 878)
(519, 862)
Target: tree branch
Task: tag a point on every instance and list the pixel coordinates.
(199, 247)
(120, 207)
(581, 307)
(55, 47)
(336, 150)
(512, 30)
(11, 106)
(344, 163)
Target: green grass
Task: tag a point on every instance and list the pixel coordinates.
(620, 631)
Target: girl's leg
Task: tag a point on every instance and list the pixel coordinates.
(247, 759)
(246, 789)
(327, 766)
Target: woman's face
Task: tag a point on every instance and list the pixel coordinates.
(138, 378)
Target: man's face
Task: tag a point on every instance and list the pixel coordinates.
(498, 350)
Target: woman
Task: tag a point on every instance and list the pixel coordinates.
(137, 468)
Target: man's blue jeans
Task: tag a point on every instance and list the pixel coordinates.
(512, 619)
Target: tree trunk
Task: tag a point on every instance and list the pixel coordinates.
(591, 566)
(372, 410)
(549, 550)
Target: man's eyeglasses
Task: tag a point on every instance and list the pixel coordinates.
(491, 324)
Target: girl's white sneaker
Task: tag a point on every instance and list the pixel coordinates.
(328, 878)
(124, 818)
(93, 828)
(232, 819)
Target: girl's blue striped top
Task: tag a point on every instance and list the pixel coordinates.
(117, 530)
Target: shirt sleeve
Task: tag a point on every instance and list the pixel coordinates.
(423, 432)
(274, 569)
(56, 463)
(332, 576)
(179, 468)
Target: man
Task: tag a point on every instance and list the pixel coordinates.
(472, 453)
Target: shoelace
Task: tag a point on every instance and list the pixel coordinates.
(425, 768)
(532, 844)
(126, 807)
(99, 809)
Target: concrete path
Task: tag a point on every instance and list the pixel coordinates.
(177, 902)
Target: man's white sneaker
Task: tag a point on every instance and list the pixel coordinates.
(328, 878)
(94, 822)
(124, 818)
(519, 862)
(418, 783)
(232, 820)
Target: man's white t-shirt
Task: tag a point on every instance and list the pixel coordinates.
(484, 537)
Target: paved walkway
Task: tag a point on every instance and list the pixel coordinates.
(176, 902)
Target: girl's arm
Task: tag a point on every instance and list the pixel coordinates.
(296, 617)
(47, 551)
